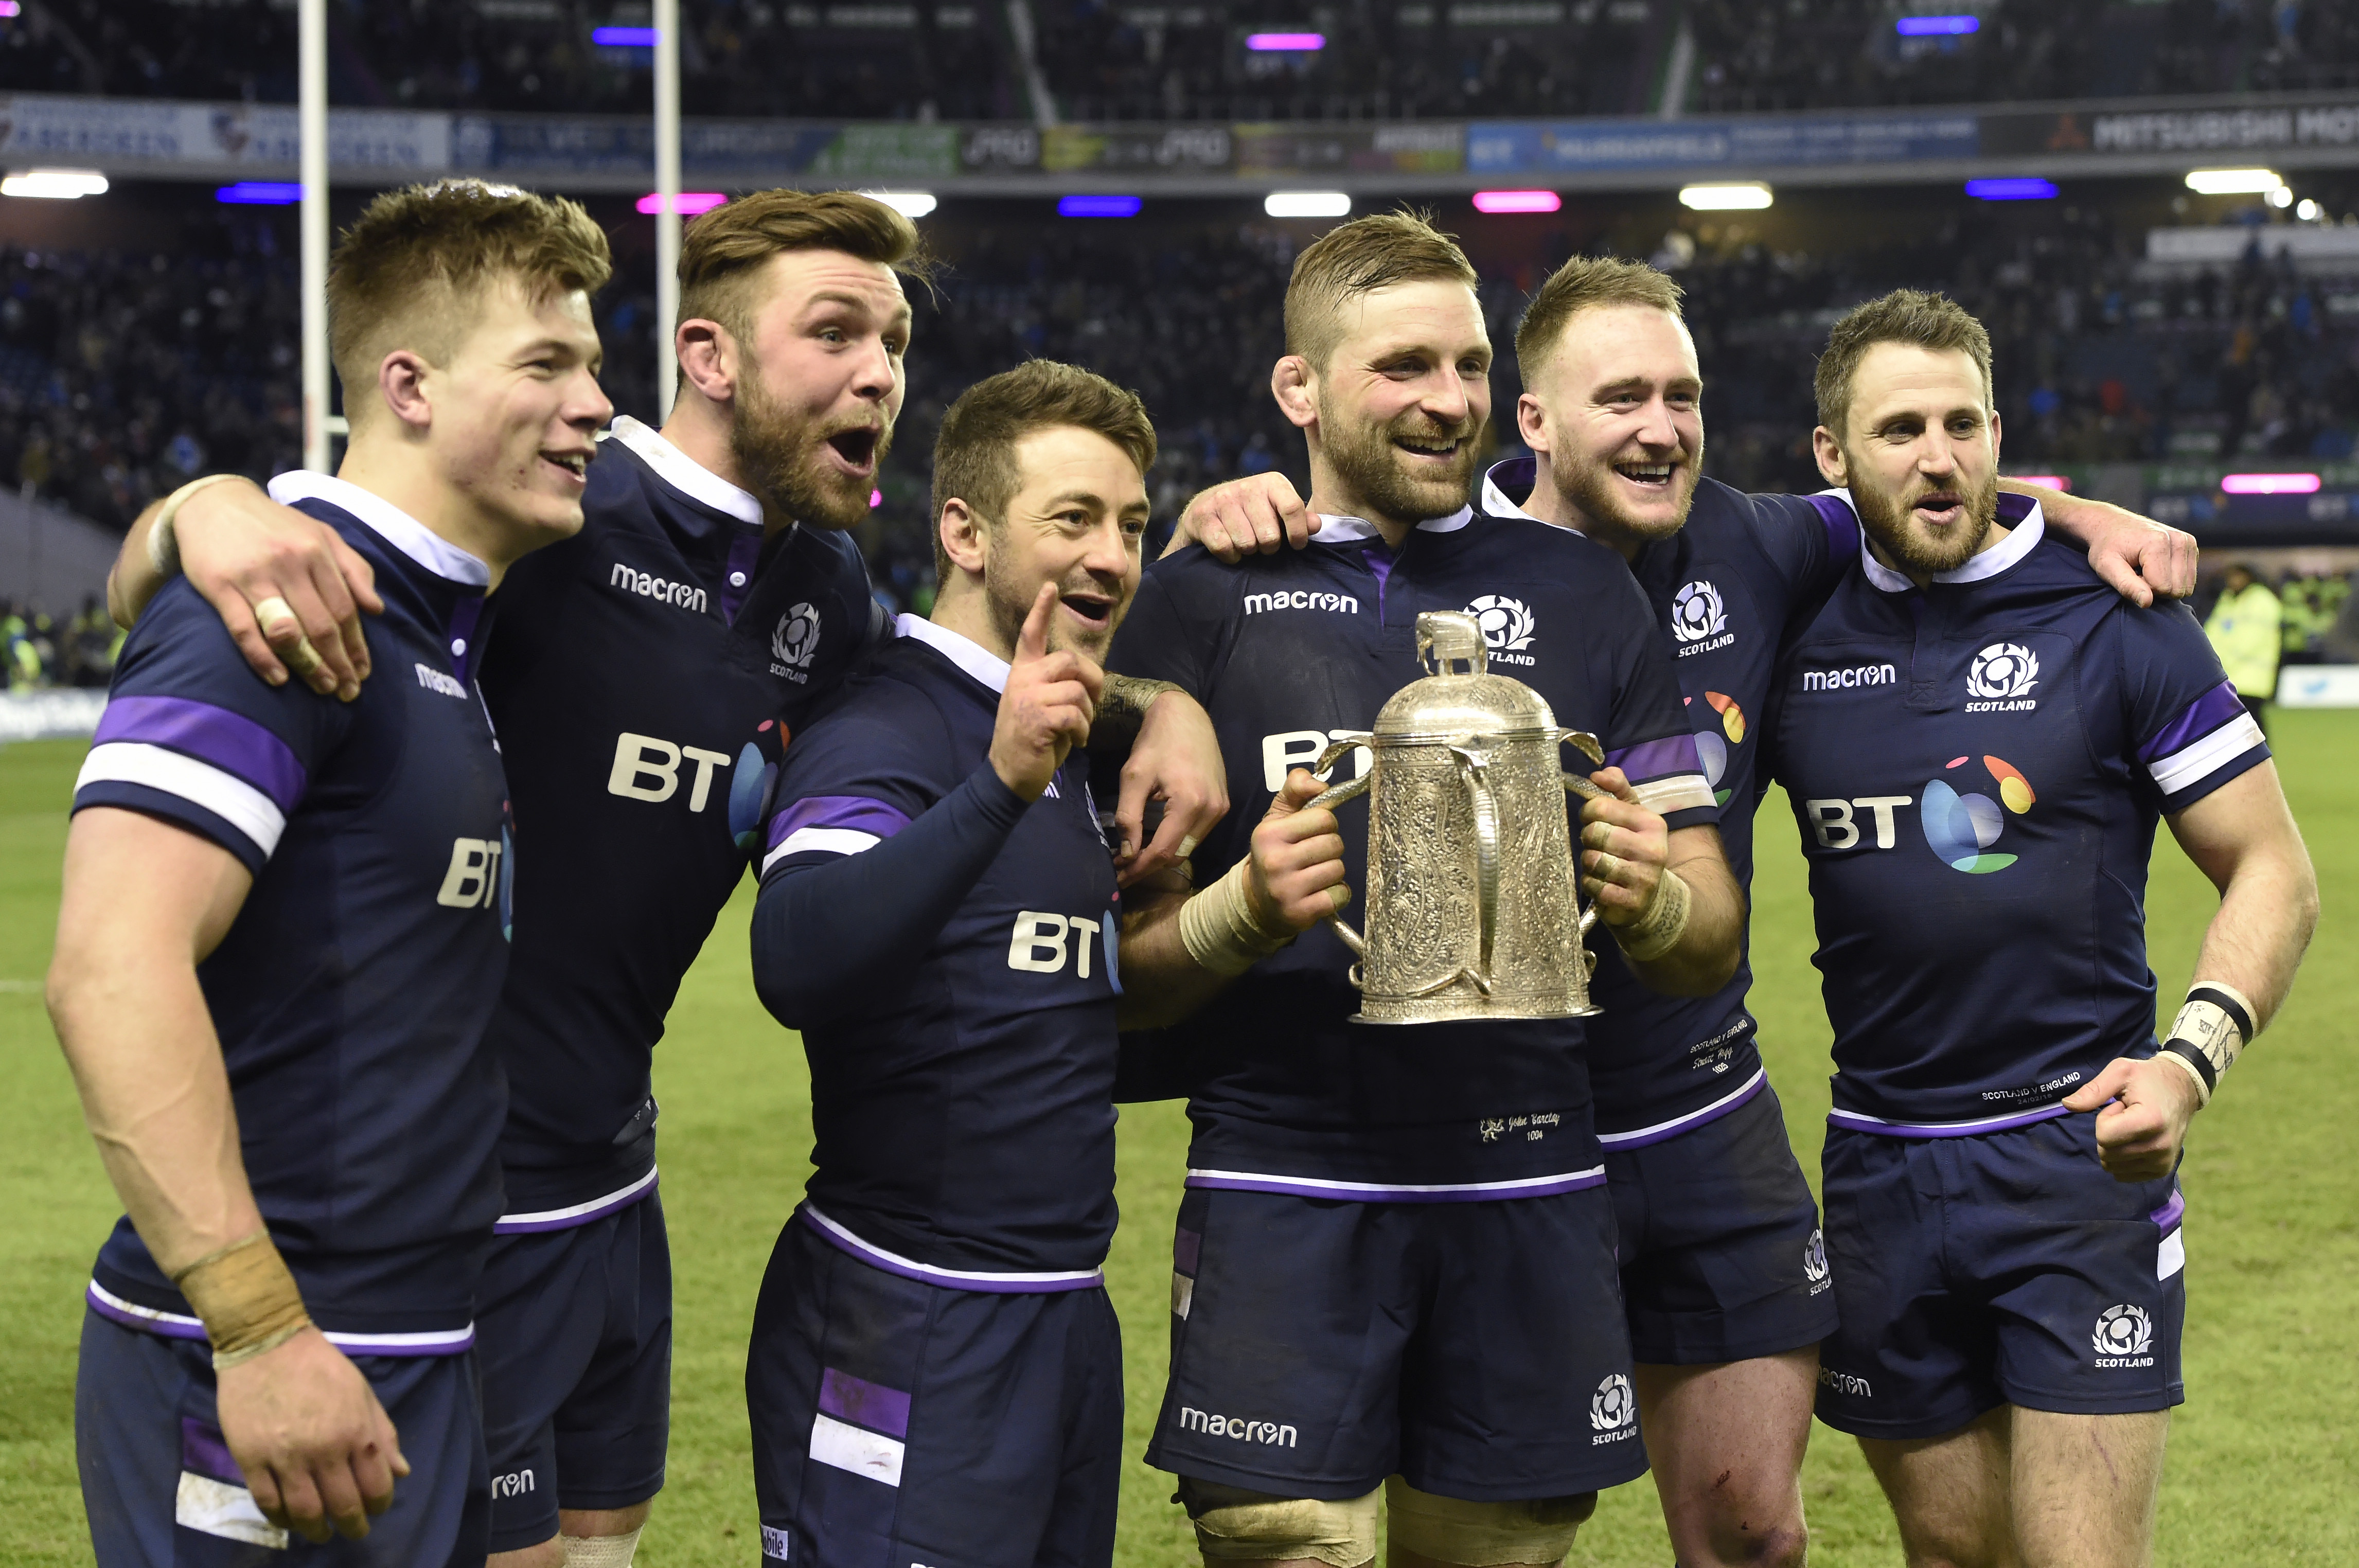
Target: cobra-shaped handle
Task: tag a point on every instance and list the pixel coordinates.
(1332, 797)
(1475, 766)
(1574, 784)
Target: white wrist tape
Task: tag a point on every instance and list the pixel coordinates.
(2210, 1031)
(600, 1551)
(1219, 928)
(163, 543)
(1658, 928)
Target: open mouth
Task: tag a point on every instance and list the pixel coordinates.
(1939, 507)
(1093, 610)
(575, 464)
(1647, 476)
(857, 447)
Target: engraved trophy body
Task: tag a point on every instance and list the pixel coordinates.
(1473, 907)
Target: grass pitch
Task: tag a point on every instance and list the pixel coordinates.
(2264, 1456)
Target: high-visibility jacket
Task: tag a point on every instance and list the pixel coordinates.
(2245, 632)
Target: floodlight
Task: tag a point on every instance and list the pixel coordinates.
(2233, 182)
(1306, 203)
(1747, 197)
(53, 184)
(1517, 200)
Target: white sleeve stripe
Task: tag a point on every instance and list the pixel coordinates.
(2190, 763)
(1677, 792)
(224, 794)
(825, 841)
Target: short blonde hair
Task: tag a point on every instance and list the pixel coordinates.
(1906, 316)
(1587, 283)
(720, 252)
(1360, 258)
(410, 271)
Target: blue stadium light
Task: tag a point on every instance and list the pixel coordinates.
(1936, 27)
(1098, 206)
(2025, 189)
(260, 194)
(623, 37)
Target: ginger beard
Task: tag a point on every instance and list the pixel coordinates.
(789, 459)
(1913, 546)
(1368, 461)
(1598, 489)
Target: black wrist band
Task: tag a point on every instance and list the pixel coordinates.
(2203, 1063)
(2228, 1005)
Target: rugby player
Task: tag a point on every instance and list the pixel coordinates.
(711, 599)
(281, 943)
(1723, 1273)
(1395, 1256)
(1978, 737)
(936, 1373)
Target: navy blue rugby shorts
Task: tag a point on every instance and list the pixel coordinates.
(1478, 1350)
(574, 1337)
(898, 1422)
(2004, 1268)
(1721, 1253)
(162, 1492)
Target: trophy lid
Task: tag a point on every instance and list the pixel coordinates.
(1448, 702)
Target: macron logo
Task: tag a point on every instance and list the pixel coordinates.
(1845, 679)
(435, 680)
(1194, 1420)
(1301, 599)
(649, 586)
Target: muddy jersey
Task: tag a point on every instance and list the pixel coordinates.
(1289, 650)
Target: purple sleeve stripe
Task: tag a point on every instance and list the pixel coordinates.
(231, 742)
(1187, 1247)
(1843, 526)
(1658, 759)
(2200, 718)
(2171, 1213)
(862, 1403)
(204, 1451)
(856, 813)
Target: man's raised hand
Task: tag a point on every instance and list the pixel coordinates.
(1297, 877)
(1624, 848)
(317, 1450)
(1241, 516)
(1047, 707)
(2142, 1108)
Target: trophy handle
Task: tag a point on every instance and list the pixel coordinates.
(1334, 796)
(1586, 744)
(1476, 767)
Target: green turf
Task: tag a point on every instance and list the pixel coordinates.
(2264, 1456)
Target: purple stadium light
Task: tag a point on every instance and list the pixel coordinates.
(1098, 206)
(2024, 189)
(1936, 27)
(623, 37)
(1518, 202)
(9, 7)
(2053, 480)
(260, 194)
(687, 204)
(1285, 43)
(2269, 484)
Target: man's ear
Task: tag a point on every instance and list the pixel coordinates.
(401, 382)
(1994, 435)
(1531, 423)
(965, 537)
(708, 358)
(1829, 454)
(1295, 386)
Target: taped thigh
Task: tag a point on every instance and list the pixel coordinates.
(1233, 1525)
(1482, 1535)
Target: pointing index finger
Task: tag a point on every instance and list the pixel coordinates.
(1033, 641)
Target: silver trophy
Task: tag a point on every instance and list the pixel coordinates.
(1473, 910)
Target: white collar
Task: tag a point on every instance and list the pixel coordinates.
(683, 472)
(385, 520)
(1979, 568)
(958, 648)
(1338, 531)
(1494, 500)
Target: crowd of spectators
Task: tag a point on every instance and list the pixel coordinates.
(1133, 59)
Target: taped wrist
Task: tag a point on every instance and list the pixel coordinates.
(1660, 925)
(163, 539)
(246, 1298)
(1220, 929)
(2214, 1027)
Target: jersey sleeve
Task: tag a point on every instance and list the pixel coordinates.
(1157, 642)
(858, 776)
(2190, 731)
(1647, 736)
(191, 736)
(1809, 538)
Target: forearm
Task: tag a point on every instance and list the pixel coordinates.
(1161, 983)
(826, 932)
(1122, 712)
(156, 1099)
(2077, 518)
(134, 580)
(1704, 957)
(2263, 926)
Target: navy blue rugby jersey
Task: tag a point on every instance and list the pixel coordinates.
(647, 671)
(352, 993)
(1290, 649)
(1722, 589)
(963, 1109)
(1976, 770)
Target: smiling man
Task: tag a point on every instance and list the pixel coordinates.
(936, 1374)
(1978, 737)
(1394, 1271)
(658, 663)
(281, 944)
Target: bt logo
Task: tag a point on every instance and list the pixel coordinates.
(1289, 749)
(1710, 747)
(1037, 945)
(647, 768)
(1960, 828)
